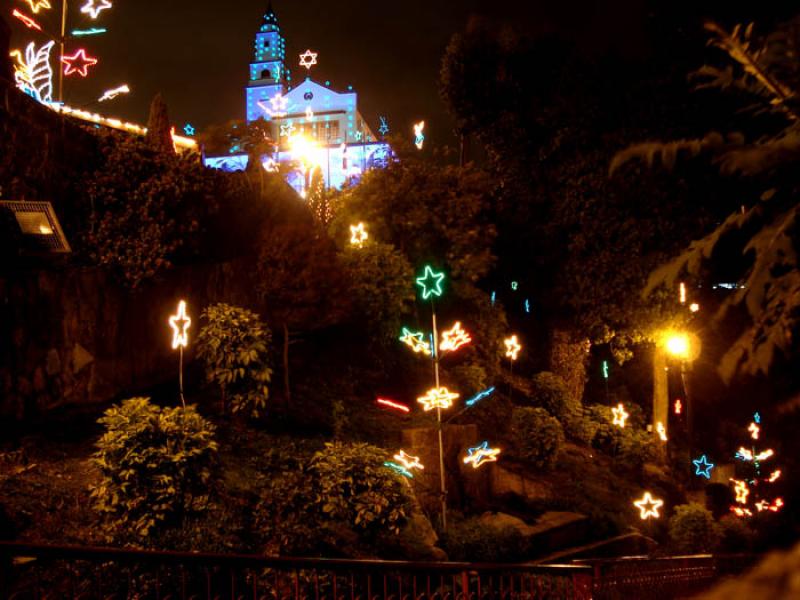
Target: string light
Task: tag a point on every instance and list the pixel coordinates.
(480, 455)
(408, 461)
(32, 73)
(91, 31)
(180, 323)
(662, 431)
(26, 20)
(189, 129)
(431, 283)
(37, 5)
(515, 285)
(774, 506)
(113, 93)
(703, 467)
(480, 396)
(454, 338)
(605, 369)
(399, 469)
(683, 293)
(93, 7)
(392, 404)
(620, 415)
(741, 490)
(648, 506)
(439, 397)
(512, 347)
(308, 59)
(764, 455)
(744, 454)
(384, 126)
(83, 63)
(678, 406)
(270, 165)
(774, 476)
(414, 339)
(754, 430)
(741, 512)
(419, 137)
(358, 235)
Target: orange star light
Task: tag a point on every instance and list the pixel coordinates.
(512, 347)
(454, 338)
(648, 506)
(437, 398)
(78, 63)
(408, 461)
(180, 323)
(620, 415)
(358, 235)
(480, 455)
(741, 490)
(37, 5)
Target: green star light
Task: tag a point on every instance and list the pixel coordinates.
(431, 283)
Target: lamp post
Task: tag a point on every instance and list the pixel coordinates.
(685, 347)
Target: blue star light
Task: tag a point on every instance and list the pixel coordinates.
(703, 467)
(188, 129)
(430, 282)
(384, 127)
(757, 418)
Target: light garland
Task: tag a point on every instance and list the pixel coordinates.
(513, 347)
(480, 455)
(308, 59)
(454, 338)
(32, 73)
(439, 397)
(26, 20)
(37, 5)
(703, 467)
(358, 235)
(93, 7)
(754, 430)
(90, 31)
(394, 405)
(309, 113)
(648, 506)
(84, 62)
(399, 469)
(419, 137)
(415, 341)
(408, 461)
(180, 323)
(662, 431)
(431, 283)
(113, 93)
(620, 415)
(480, 396)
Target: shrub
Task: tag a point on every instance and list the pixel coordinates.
(474, 541)
(692, 529)
(581, 426)
(635, 447)
(537, 436)
(234, 345)
(155, 466)
(550, 393)
(735, 535)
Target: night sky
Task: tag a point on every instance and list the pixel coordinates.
(196, 53)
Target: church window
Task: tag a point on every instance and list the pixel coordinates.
(265, 74)
(308, 96)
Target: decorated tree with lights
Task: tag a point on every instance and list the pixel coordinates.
(753, 489)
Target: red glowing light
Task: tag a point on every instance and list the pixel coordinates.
(78, 63)
(394, 405)
(30, 23)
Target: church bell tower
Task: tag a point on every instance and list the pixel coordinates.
(268, 75)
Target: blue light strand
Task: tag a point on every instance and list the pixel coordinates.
(399, 469)
(92, 31)
(480, 396)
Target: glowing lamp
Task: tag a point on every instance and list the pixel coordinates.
(681, 345)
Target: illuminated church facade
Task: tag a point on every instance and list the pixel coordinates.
(313, 126)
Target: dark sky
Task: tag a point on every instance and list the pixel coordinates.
(197, 52)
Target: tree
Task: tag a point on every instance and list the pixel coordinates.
(537, 436)
(692, 530)
(159, 130)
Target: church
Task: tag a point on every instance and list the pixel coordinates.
(313, 126)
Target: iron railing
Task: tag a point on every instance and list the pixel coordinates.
(40, 572)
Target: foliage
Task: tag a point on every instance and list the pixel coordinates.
(234, 344)
(550, 393)
(380, 281)
(735, 535)
(159, 131)
(155, 466)
(631, 445)
(692, 530)
(756, 245)
(471, 540)
(537, 436)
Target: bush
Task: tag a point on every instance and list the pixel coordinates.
(155, 466)
(537, 436)
(635, 447)
(473, 541)
(692, 529)
(550, 393)
(581, 426)
(736, 535)
(234, 345)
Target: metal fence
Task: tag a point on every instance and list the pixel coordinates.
(54, 572)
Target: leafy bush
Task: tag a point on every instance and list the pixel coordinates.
(735, 535)
(472, 540)
(692, 529)
(537, 437)
(234, 345)
(155, 466)
(581, 426)
(550, 393)
(635, 448)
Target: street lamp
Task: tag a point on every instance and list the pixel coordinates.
(685, 347)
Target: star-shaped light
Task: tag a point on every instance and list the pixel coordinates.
(408, 461)
(384, 126)
(278, 105)
(754, 430)
(270, 166)
(480, 455)
(358, 235)
(287, 130)
(189, 129)
(78, 63)
(93, 7)
(437, 398)
(703, 467)
(37, 5)
(358, 135)
(741, 490)
(415, 340)
(648, 506)
(512, 347)
(620, 415)
(180, 323)
(454, 338)
(430, 282)
(308, 59)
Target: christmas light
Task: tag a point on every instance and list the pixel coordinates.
(741, 512)
(414, 340)
(180, 323)
(757, 418)
(480, 455)
(419, 137)
(309, 113)
(494, 297)
(527, 306)
(358, 235)
(514, 285)
(392, 404)
(93, 7)
(189, 129)
(270, 165)
(287, 130)
(512, 347)
(648, 506)
(32, 73)
(384, 126)
(744, 454)
(454, 338)
(278, 105)
(605, 369)
(437, 398)
(678, 406)
(774, 476)
(308, 59)
(683, 293)
(620, 415)
(764, 455)
(358, 135)
(37, 5)
(741, 490)
(677, 344)
(26, 20)
(662, 431)
(694, 307)
(113, 93)
(480, 396)
(408, 461)
(754, 430)
(430, 282)
(703, 467)
(91, 31)
(83, 63)
(399, 469)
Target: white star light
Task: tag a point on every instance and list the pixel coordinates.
(93, 7)
(287, 130)
(308, 59)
